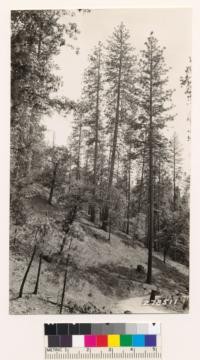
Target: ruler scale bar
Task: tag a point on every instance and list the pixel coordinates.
(150, 354)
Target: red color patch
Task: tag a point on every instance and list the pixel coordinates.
(102, 340)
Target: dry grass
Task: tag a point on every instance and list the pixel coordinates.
(100, 272)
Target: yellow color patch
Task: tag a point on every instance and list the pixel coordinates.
(113, 340)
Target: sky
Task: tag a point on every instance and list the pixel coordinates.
(172, 27)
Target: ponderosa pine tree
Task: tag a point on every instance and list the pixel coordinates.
(119, 77)
(155, 104)
(76, 141)
(161, 161)
(130, 153)
(176, 161)
(176, 166)
(127, 181)
(92, 90)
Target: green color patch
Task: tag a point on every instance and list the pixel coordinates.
(125, 340)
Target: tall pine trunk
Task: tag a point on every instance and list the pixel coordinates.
(93, 208)
(141, 183)
(114, 146)
(157, 228)
(78, 173)
(128, 195)
(140, 195)
(156, 97)
(151, 185)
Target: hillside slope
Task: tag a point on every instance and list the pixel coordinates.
(102, 275)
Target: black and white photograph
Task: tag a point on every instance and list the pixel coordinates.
(100, 136)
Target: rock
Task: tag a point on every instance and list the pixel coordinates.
(127, 312)
(140, 269)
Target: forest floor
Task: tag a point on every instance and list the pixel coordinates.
(102, 275)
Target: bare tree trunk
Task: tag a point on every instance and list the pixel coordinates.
(27, 271)
(128, 195)
(63, 292)
(105, 215)
(63, 244)
(109, 235)
(141, 183)
(38, 275)
(118, 163)
(78, 175)
(53, 183)
(147, 226)
(159, 185)
(175, 242)
(65, 278)
(29, 266)
(86, 166)
(70, 170)
(174, 192)
(101, 195)
(151, 185)
(140, 195)
(158, 204)
(164, 255)
(93, 208)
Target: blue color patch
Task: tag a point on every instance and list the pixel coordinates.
(138, 340)
(150, 340)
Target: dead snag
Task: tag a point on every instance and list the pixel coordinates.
(65, 277)
(27, 271)
(29, 266)
(38, 275)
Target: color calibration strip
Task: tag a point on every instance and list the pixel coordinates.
(101, 335)
(90, 341)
